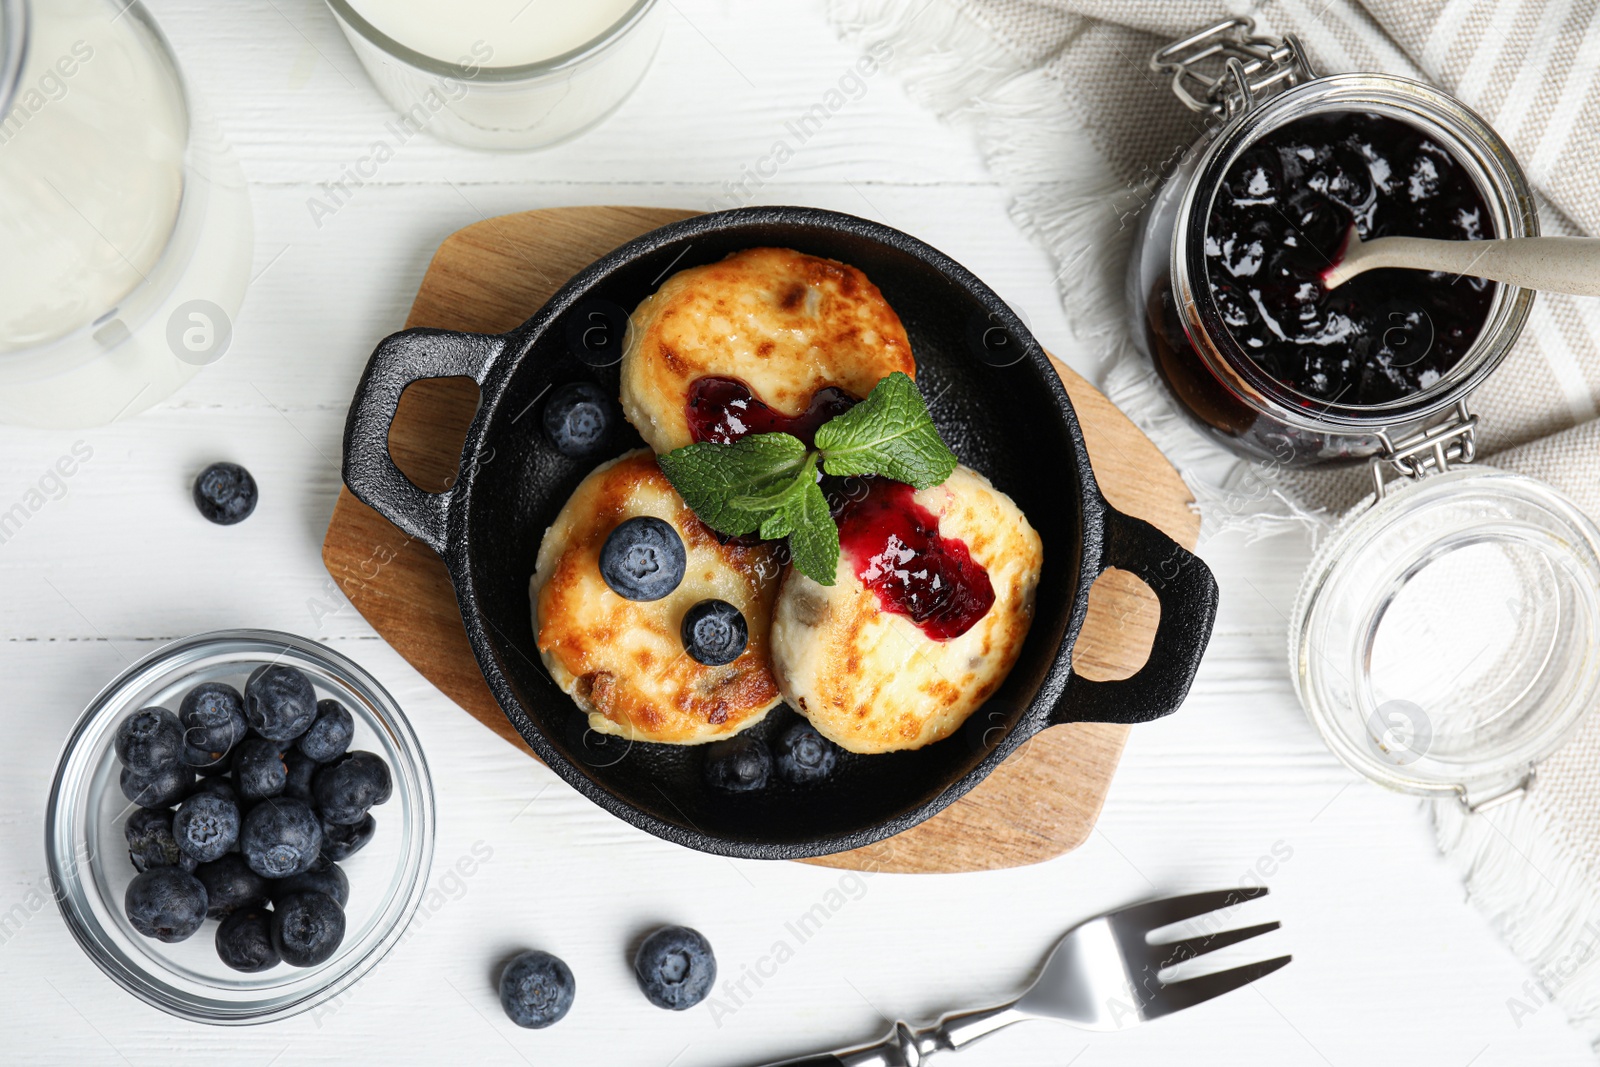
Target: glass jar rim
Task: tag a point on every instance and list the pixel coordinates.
(1359, 574)
(1487, 158)
(521, 72)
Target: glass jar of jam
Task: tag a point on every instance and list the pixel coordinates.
(1225, 280)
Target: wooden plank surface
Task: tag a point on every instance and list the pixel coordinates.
(493, 275)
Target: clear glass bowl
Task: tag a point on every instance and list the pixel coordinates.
(88, 853)
(1447, 638)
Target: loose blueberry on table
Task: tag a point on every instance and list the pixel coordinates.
(675, 968)
(536, 989)
(643, 559)
(225, 493)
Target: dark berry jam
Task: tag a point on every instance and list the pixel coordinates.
(724, 409)
(1278, 221)
(895, 547)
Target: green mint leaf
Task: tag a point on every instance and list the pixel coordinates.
(734, 488)
(814, 542)
(889, 433)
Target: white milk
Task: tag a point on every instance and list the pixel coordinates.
(514, 31)
(91, 170)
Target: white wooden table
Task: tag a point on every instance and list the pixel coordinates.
(1392, 965)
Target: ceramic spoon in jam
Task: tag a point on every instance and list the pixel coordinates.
(1552, 264)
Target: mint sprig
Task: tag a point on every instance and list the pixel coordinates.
(767, 483)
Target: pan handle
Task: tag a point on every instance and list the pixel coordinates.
(369, 469)
(1187, 592)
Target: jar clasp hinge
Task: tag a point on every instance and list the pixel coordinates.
(1428, 451)
(1223, 69)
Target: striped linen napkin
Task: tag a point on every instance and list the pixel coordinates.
(1068, 113)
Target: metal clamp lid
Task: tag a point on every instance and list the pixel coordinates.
(1430, 450)
(1221, 70)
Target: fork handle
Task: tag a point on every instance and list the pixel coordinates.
(910, 1046)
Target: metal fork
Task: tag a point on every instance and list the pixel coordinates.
(1102, 975)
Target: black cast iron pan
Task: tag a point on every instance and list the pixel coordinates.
(996, 400)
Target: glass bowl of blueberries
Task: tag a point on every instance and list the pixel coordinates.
(240, 827)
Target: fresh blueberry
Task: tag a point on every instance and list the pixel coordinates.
(150, 842)
(160, 790)
(259, 769)
(213, 722)
(281, 837)
(301, 768)
(577, 417)
(536, 989)
(675, 967)
(244, 941)
(347, 787)
(340, 842)
(149, 741)
(225, 493)
(643, 559)
(279, 702)
(805, 756)
(714, 632)
(221, 787)
(307, 928)
(329, 734)
(231, 885)
(166, 903)
(206, 826)
(325, 878)
(740, 764)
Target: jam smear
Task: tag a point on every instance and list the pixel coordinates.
(895, 547)
(1279, 220)
(722, 410)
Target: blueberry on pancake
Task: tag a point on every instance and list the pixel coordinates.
(623, 660)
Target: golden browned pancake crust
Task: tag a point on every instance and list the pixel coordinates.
(870, 680)
(623, 661)
(784, 323)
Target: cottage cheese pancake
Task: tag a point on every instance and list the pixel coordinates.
(933, 598)
(623, 661)
(772, 324)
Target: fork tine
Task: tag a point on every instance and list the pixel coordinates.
(1179, 995)
(1154, 914)
(1173, 953)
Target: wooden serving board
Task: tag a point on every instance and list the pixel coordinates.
(492, 276)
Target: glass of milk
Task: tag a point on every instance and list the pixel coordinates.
(501, 74)
(125, 223)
